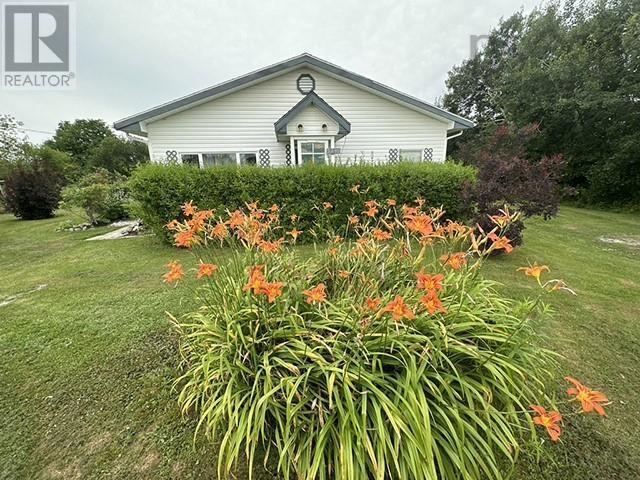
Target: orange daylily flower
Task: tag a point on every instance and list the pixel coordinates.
(372, 212)
(500, 243)
(432, 303)
(371, 204)
(189, 209)
(344, 273)
(206, 270)
(399, 309)
(381, 235)
(534, 270)
(353, 219)
(591, 400)
(253, 206)
(454, 260)
(422, 224)
(256, 280)
(259, 286)
(373, 303)
(429, 282)
(317, 294)
(175, 272)
(237, 218)
(220, 231)
(295, 233)
(327, 205)
(391, 202)
(332, 251)
(185, 239)
(270, 247)
(196, 224)
(409, 212)
(274, 208)
(549, 420)
(272, 290)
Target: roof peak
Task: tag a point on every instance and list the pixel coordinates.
(132, 123)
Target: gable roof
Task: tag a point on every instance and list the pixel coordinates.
(312, 98)
(133, 124)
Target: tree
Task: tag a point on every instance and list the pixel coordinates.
(574, 70)
(80, 138)
(12, 143)
(472, 87)
(118, 156)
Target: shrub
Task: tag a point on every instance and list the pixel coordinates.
(102, 195)
(508, 177)
(385, 357)
(32, 187)
(159, 190)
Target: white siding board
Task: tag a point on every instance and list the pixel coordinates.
(244, 121)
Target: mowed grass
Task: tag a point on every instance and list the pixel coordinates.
(88, 362)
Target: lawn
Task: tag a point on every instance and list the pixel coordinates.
(89, 360)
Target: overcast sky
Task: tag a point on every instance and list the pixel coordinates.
(135, 54)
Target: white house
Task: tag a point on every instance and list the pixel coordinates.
(297, 111)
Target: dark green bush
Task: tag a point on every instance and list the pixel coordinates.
(159, 190)
(32, 187)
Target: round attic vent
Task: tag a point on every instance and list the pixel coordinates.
(306, 83)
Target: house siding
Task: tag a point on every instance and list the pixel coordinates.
(244, 121)
(312, 119)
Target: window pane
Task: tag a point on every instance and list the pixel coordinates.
(218, 159)
(410, 155)
(247, 159)
(319, 158)
(226, 159)
(190, 159)
(307, 158)
(307, 147)
(318, 147)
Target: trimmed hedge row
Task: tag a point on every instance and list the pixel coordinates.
(159, 190)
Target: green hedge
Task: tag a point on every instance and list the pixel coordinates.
(159, 190)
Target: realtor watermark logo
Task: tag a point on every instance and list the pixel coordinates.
(38, 46)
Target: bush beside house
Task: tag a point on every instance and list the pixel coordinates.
(159, 190)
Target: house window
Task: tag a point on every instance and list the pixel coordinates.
(218, 159)
(190, 159)
(414, 156)
(247, 159)
(313, 152)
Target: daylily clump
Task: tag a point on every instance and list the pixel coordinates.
(369, 356)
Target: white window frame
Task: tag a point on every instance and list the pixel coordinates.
(295, 142)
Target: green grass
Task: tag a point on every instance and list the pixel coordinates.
(88, 362)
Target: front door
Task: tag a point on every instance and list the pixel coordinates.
(312, 152)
